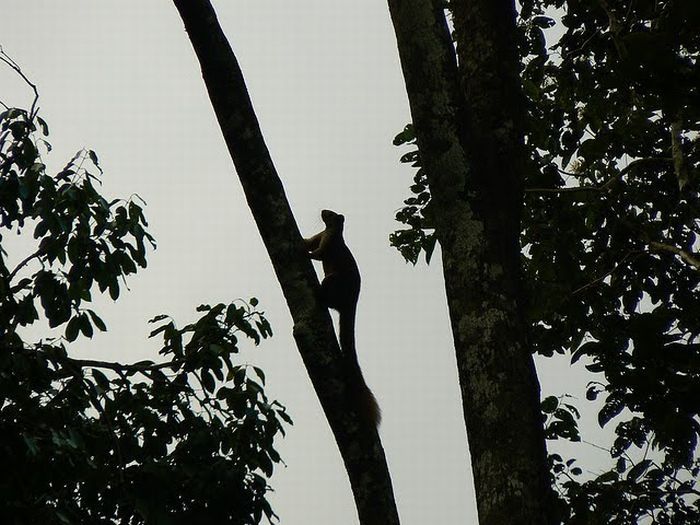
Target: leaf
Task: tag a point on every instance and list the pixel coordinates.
(592, 393)
(590, 149)
(621, 465)
(573, 410)
(236, 402)
(23, 283)
(85, 326)
(543, 21)
(589, 348)
(429, 247)
(98, 322)
(216, 349)
(656, 477)
(114, 289)
(612, 408)
(549, 404)
(285, 417)
(260, 374)
(264, 328)
(73, 328)
(565, 416)
(607, 477)
(41, 228)
(407, 135)
(208, 381)
(640, 468)
(44, 126)
(93, 158)
(100, 379)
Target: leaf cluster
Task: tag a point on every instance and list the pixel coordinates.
(561, 419)
(190, 438)
(631, 492)
(418, 236)
(80, 238)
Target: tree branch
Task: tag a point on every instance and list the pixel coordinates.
(356, 437)
(140, 366)
(691, 258)
(639, 163)
(679, 164)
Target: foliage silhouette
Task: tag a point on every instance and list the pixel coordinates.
(85, 441)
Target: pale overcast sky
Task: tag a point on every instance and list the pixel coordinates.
(120, 77)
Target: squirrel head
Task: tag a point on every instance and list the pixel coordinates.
(332, 219)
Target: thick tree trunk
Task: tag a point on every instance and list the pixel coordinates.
(469, 133)
(358, 441)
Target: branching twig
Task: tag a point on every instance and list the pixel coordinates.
(576, 51)
(607, 274)
(595, 445)
(674, 478)
(141, 366)
(24, 262)
(4, 57)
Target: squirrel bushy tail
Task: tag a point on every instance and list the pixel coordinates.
(365, 399)
(366, 402)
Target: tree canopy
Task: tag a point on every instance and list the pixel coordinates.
(609, 238)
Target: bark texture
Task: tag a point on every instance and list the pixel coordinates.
(469, 128)
(357, 440)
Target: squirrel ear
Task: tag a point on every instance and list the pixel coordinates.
(341, 218)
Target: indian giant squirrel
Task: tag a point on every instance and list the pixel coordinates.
(340, 290)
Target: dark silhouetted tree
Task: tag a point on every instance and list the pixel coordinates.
(185, 438)
(587, 149)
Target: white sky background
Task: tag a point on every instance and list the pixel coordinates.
(120, 77)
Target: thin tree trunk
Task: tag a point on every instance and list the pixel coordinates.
(358, 441)
(468, 126)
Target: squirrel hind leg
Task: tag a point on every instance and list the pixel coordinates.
(331, 292)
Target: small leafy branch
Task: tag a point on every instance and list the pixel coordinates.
(81, 238)
(561, 419)
(419, 235)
